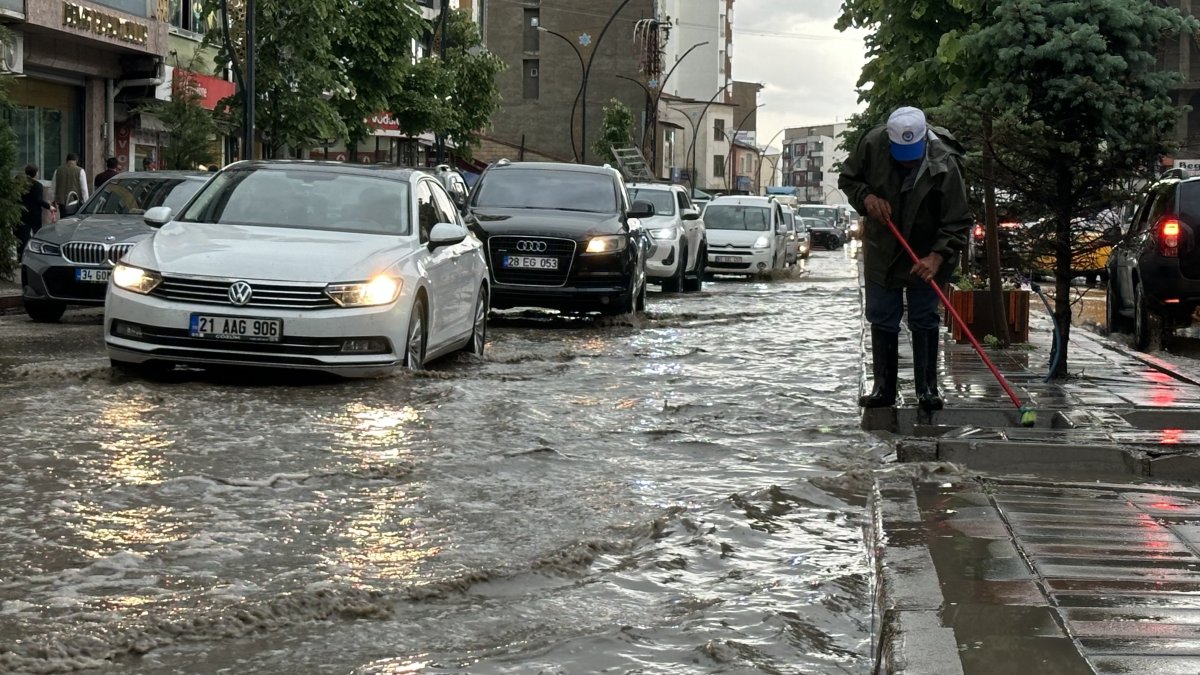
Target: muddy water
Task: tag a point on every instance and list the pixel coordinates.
(678, 496)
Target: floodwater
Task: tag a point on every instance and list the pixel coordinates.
(683, 495)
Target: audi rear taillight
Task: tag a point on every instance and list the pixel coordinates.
(1168, 237)
(979, 232)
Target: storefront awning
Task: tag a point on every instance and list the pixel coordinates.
(148, 122)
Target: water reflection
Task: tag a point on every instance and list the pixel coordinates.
(383, 543)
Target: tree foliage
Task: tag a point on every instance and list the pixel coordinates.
(472, 95)
(615, 130)
(191, 129)
(12, 186)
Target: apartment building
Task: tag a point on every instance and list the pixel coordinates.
(810, 157)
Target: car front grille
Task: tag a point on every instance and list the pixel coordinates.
(265, 295)
(94, 253)
(562, 249)
(290, 345)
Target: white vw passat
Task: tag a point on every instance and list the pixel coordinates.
(322, 266)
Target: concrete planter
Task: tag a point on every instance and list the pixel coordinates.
(975, 307)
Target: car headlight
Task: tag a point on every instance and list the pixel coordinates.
(607, 244)
(762, 242)
(803, 248)
(854, 227)
(135, 279)
(664, 233)
(44, 247)
(382, 290)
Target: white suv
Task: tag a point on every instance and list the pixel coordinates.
(679, 255)
(746, 235)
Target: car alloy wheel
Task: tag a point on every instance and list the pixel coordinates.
(695, 282)
(1112, 311)
(1147, 326)
(675, 283)
(478, 339)
(414, 351)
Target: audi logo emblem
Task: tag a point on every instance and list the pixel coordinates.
(240, 293)
(531, 246)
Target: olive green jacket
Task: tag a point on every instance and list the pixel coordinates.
(935, 217)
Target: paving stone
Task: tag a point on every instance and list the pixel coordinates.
(1134, 614)
(1149, 600)
(1140, 646)
(1158, 665)
(1115, 573)
(1001, 654)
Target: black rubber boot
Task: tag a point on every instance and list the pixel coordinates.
(925, 345)
(885, 351)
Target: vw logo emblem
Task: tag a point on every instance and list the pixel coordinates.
(531, 246)
(240, 293)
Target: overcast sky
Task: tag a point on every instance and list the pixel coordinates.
(809, 68)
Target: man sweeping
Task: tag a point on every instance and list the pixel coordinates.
(909, 172)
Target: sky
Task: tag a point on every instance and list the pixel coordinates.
(810, 69)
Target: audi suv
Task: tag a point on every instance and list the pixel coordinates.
(69, 262)
(561, 236)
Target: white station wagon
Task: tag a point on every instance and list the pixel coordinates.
(332, 267)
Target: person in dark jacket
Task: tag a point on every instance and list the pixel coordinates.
(910, 173)
(33, 202)
(110, 170)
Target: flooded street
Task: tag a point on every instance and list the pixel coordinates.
(680, 496)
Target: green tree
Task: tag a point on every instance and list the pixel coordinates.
(191, 129)
(12, 186)
(615, 130)
(472, 96)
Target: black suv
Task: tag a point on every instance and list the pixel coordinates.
(561, 236)
(826, 233)
(1154, 272)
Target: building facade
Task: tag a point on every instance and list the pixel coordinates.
(810, 158)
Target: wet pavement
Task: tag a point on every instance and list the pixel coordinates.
(683, 493)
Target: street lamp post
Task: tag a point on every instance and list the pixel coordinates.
(662, 87)
(763, 152)
(587, 72)
(578, 94)
(736, 132)
(695, 135)
(248, 93)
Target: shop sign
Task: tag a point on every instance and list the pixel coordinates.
(211, 89)
(1188, 164)
(384, 122)
(104, 24)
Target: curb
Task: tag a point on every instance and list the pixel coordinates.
(10, 302)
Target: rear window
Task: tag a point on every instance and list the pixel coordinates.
(731, 217)
(550, 189)
(1189, 202)
(823, 212)
(134, 196)
(663, 200)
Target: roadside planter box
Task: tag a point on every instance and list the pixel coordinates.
(975, 307)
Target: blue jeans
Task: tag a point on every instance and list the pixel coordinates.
(885, 306)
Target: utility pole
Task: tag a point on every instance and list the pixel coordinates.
(445, 21)
(248, 94)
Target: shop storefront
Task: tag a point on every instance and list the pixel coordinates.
(47, 118)
(387, 145)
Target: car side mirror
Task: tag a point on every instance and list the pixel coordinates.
(641, 209)
(691, 214)
(446, 234)
(157, 216)
(781, 229)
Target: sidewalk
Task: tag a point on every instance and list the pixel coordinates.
(1070, 547)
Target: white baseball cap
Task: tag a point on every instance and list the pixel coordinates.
(906, 129)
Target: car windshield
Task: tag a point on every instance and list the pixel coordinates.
(823, 212)
(553, 189)
(737, 217)
(134, 195)
(304, 199)
(663, 200)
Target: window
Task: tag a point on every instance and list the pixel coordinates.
(427, 210)
(682, 199)
(446, 213)
(531, 79)
(718, 166)
(718, 129)
(187, 15)
(530, 29)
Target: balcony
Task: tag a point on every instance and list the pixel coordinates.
(13, 6)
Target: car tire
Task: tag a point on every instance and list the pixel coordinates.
(1117, 323)
(639, 303)
(1147, 326)
(478, 340)
(695, 283)
(415, 343)
(675, 283)
(45, 311)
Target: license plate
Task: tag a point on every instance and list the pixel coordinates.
(728, 259)
(529, 262)
(245, 328)
(92, 276)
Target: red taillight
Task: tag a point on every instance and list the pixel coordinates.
(979, 232)
(1168, 237)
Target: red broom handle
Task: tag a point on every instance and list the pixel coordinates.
(957, 319)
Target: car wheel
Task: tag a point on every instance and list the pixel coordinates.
(675, 283)
(639, 303)
(1112, 311)
(45, 311)
(478, 340)
(695, 283)
(414, 348)
(1147, 326)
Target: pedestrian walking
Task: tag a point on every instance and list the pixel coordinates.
(69, 180)
(33, 202)
(110, 170)
(910, 173)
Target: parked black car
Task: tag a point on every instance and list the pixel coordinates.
(1154, 270)
(561, 236)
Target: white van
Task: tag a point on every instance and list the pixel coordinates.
(746, 235)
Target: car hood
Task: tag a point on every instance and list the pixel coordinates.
(744, 238)
(96, 228)
(269, 253)
(544, 223)
(655, 222)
